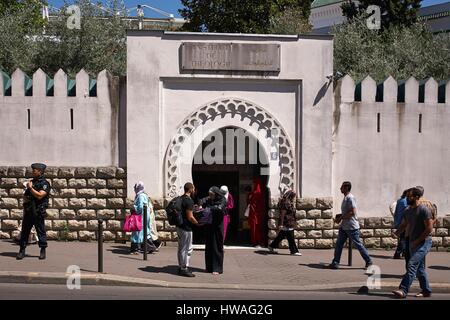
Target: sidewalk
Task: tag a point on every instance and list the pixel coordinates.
(249, 269)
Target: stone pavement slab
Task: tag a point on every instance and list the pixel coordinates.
(243, 268)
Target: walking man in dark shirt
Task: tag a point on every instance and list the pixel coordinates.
(184, 231)
(418, 221)
(34, 210)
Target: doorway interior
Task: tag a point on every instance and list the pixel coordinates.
(238, 177)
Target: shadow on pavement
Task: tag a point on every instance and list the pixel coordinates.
(314, 265)
(14, 255)
(391, 276)
(326, 266)
(263, 252)
(443, 268)
(375, 294)
(168, 269)
(379, 256)
(9, 254)
(120, 250)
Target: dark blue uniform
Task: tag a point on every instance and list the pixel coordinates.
(34, 212)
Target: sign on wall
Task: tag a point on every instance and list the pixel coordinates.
(230, 56)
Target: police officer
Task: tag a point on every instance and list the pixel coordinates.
(34, 209)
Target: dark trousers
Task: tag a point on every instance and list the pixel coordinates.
(407, 252)
(401, 246)
(289, 234)
(29, 220)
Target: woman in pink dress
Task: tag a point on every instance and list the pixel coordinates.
(230, 206)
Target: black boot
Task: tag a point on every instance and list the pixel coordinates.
(21, 254)
(42, 255)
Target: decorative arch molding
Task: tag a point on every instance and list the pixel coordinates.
(230, 112)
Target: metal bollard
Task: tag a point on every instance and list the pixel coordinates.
(350, 253)
(100, 245)
(144, 226)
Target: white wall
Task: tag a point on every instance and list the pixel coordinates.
(50, 139)
(381, 165)
(159, 97)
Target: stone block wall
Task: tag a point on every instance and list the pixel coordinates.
(80, 196)
(317, 229)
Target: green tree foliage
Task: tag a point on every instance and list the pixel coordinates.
(33, 7)
(15, 43)
(393, 12)
(290, 21)
(99, 44)
(237, 16)
(399, 51)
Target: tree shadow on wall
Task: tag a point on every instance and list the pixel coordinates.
(322, 92)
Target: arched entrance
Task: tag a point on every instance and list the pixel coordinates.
(226, 112)
(233, 157)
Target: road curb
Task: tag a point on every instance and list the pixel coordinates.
(116, 280)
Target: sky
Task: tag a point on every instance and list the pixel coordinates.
(172, 6)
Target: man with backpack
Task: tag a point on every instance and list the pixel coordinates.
(180, 213)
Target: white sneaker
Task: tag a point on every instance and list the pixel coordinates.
(296, 254)
(272, 250)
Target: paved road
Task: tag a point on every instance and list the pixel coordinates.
(37, 291)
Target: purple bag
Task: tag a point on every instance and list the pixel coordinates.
(205, 216)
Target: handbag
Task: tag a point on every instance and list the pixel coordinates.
(133, 222)
(206, 216)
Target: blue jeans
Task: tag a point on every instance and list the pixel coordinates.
(416, 267)
(342, 238)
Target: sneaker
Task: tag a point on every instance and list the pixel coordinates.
(334, 266)
(21, 254)
(423, 295)
(272, 250)
(368, 264)
(185, 273)
(296, 254)
(399, 294)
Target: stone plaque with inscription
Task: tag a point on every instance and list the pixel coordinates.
(230, 56)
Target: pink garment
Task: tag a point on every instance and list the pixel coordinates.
(257, 215)
(226, 218)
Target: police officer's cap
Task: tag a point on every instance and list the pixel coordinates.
(39, 166)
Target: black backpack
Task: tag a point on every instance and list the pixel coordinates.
(173, 211)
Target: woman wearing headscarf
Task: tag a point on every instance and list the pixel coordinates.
(137, 237)
(257, 214)
(216, 204)
(230, 206)
(286, 205)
